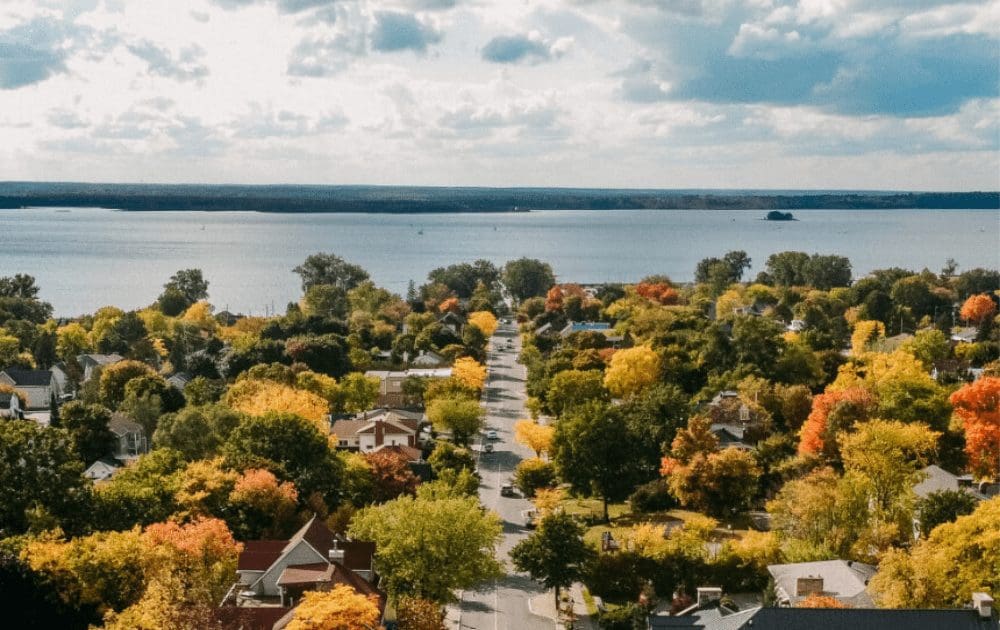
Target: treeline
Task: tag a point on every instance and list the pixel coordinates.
(393, 199)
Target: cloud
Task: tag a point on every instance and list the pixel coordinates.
(529, 48)
(396, 32)
(325, 56)
(186, 66)
(66, 119)
(34, 51)
(262, 123)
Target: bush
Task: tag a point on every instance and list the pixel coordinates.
(532, 474)
(652, 497)
(628, 617)
(618, 576)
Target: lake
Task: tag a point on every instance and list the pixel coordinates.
(85, 258)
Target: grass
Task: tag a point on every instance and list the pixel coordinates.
(622, 519)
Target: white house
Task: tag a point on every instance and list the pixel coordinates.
(371, 430)
(10, 406)
(102, 469)
(130, 436)
(390, 393)
(38, 385)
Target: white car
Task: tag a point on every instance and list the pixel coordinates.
(492, 435)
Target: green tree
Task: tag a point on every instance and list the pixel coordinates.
(461, 417)
(88, 426)
(943, 506)
(573, 387)
(330, 269)
(326, 300)
(429, 548)
(115, 377)
(358, 392)
(190, 283)
(526, 278)
(292, 448)
(447, 456)
(40, 470)
(555, 554)
(826, 272)
(533, 474)
(595, 455)
(787, 268)
(196, 432)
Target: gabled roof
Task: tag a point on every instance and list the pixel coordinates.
(258, 555)
(316, 533)
(412, 454)
(99, 359)
(843, 579)
(29, 378)
(864, 618)
(249, 617)
(120, 425)
(306, 573)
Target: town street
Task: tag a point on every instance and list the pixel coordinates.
(503, 605)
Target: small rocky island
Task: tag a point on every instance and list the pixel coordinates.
(777, 215)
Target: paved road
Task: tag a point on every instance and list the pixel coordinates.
(504, 605)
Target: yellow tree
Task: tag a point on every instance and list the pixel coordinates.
(548, 499)
(200, 314)
(484, 321)
(342, 608)
(537, 437)
(469, 372)
(865, 332)
(632, 370)
(204, 487)
(257, 397)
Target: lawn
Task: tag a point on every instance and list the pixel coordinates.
(622, 519)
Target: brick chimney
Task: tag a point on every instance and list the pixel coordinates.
(379, 433)
(808, 585)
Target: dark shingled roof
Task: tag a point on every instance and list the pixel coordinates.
(258, 555)
(249, 618)
(29, 378)
(861, 618)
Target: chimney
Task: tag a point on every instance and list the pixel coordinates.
(336, 554)
(808, 585)
(983, 604)
(708, 594)
(379, 432)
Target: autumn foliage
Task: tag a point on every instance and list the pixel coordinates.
(554, 299)
(659, 292)
(484, 321)
(978, 308)
(813, 433)
(816, 600)
(632, 370)
(450, 305)
(342, 608)
(257, 397)
(469, 372)
(977, 405)
(537, 437)
(391, 475)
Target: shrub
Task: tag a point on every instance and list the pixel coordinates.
(532, 474)
(652, 497)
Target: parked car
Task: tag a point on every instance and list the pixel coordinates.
(529, 517)
(492, 435)
(506, 490)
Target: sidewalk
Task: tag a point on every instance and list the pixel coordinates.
(544, 605)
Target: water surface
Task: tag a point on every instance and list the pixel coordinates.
(85, 258)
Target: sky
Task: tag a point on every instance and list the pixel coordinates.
(787, 94)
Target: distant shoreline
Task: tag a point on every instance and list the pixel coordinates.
(420, 200)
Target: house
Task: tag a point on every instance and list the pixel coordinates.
(965, 334)
(453, 322)
(796, 326)
(179, 380)
(757, 309)
(280, 571)
(390, 393)
(724, 395)
(545, 329)
(716, 617)
(102, 469)
(130, 435)
(371, 430)
(61, 377)
(10, 406)
(89, 362)
(844, 580)
(730, 436)
(38, 386)
(599, 327)
(936, 479)
(428, 359)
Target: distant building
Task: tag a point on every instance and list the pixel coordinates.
(39, 386)
(130, 435)
(90, 362)
(390, 392)
(10, 406)
(179, 380)
(103, 469)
